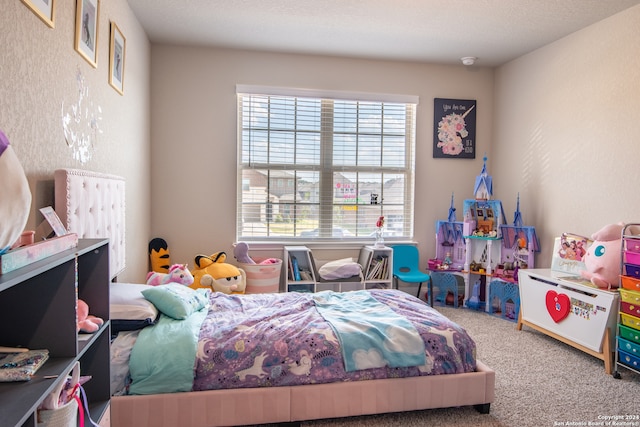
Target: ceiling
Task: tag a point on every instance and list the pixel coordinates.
(437, 31)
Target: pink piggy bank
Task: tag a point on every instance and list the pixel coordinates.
(603, 257)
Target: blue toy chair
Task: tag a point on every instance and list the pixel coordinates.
(405, 268)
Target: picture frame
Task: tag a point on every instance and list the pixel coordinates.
(117, 52)
(454, 128)
(87, 25)
(43, 9)
(54, 221)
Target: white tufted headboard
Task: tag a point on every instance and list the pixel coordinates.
(92, 205)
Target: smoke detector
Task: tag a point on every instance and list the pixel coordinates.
(468, 60)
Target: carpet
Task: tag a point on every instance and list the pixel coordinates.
(540, 382)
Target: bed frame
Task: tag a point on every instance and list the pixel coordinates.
(92, 205)
(257, 405)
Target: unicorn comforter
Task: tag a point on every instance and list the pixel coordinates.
(284, 339)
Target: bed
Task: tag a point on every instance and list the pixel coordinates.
(259, 386)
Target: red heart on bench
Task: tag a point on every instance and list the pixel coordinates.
(558, 305)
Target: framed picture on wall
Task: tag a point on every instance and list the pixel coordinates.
(87, 18)
(117, 49)
(454, 128)
(43, 9)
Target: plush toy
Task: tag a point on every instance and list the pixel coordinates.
(602, 260)
(241, 253)
(178, 273)
(213, 272)
(87, 322)
(15, 196)
(159, 256)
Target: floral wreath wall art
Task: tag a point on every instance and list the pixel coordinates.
(454, 128)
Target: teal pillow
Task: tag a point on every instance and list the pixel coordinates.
(177, 301)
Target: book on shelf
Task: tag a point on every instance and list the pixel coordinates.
(296, 269)
(305, 275)
(21, 366)
(291, 276)
(378, 268)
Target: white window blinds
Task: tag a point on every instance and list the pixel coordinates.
(324, 166)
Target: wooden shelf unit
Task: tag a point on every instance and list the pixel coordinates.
(306, 262)
(38, 311)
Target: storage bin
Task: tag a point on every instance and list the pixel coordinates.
(632, 297)
(630, 334)
(632, 309)
(262, 278)
(632, 257)
(629, 359)
(64, 416)
(629, 347)
(308, 287)
(577, 327)
(51, 413)
(632, 270)
(630, 283)
(630, 321)
(632, 245)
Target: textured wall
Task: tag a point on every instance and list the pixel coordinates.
(567, 130)
(194, 103)
(41, 76)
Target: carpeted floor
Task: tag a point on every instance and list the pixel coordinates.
(540, 382)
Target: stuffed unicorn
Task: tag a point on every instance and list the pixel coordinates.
(178, 273)
(14, 194)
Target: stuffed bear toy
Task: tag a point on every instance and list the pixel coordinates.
(603, 258)
(178, 273)
(15, 196)
(86, 322)
(214, 273)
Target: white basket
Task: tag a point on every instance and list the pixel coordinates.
(64, 416)
(60, 416)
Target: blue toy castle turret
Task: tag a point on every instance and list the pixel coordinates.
(483, 188)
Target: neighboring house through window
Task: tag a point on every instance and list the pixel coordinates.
(324, 165)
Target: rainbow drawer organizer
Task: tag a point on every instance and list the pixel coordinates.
(632, 309)
(629, 334)
(632, 297)
(629, 359)
(630, 283)
(630, 321)
(569, 310)
(629, 347)
(632, 245)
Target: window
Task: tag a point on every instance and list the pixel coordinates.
(315, 165)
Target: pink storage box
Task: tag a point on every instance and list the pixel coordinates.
(632, 257)
(632, 245)
(262, 278)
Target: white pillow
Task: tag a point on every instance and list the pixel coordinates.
(340, 269)
(128, 303)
